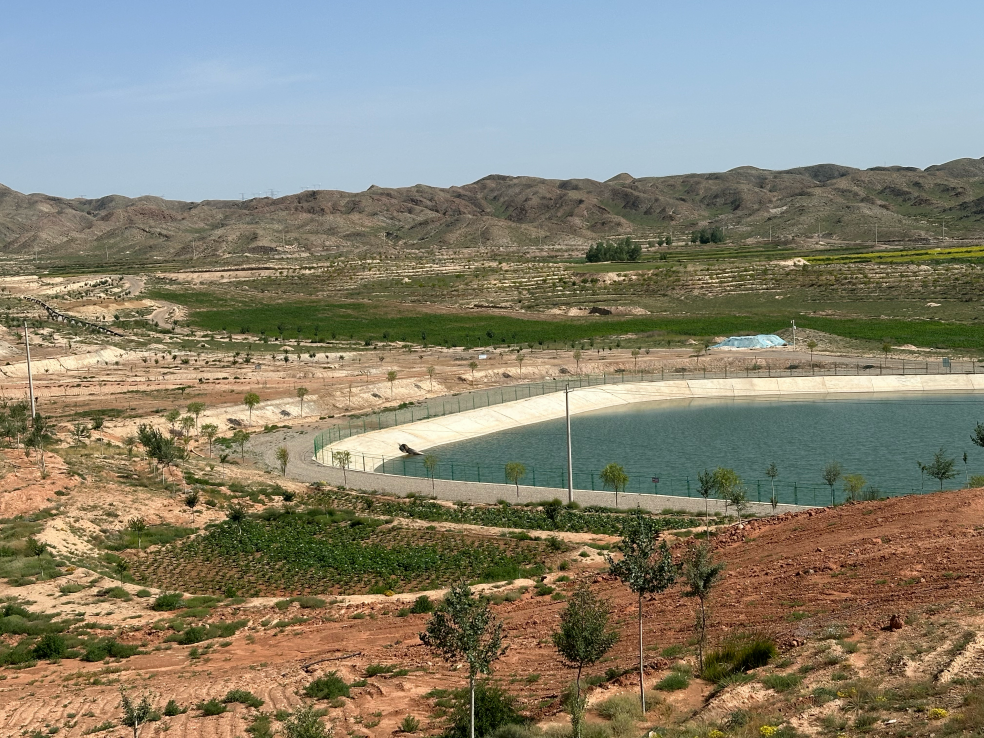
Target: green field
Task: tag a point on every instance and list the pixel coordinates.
(312, 319)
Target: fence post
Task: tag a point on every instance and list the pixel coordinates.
(479, 468)
(795, 494)
(688, 487)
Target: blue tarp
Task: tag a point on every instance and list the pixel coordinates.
(751, 342)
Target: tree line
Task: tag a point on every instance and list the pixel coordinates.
(623, 250)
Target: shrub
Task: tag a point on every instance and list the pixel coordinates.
(377, 669)
(327, 687)
(51, 646)
(167, 602)
(781, 682)
(422, 604)
(304, 723)
(409, 724)
(212, 707)
(738, 655)
(261, 727)
(494, 708)
(243, 697)
(172, 708)
(107, 648)
(673, 681)
(621, 706)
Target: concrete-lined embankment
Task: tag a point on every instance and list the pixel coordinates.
(369, 449)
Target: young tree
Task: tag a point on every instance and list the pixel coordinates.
(187, 423)
(342, 459)
(519, 360)
(129, 442)
(240, 437)
(514, 472)
(210, 431)
(978, 438)
(430, 376)
(577, 361)
(853, 485)
(251, 400)
(644, 568)
(831, 473)
(772, 471)
(283, 456)
(941, 468)
(391, 377)
(305, 722)
(811, 344)
(473, 365)
(135, 714)
(730, 487)
(430, 464)
(614, 476)
(137, 526)
(700, 573)
(121, 567)
(463, 627)
(635, 359)
(706, 487)
(302, 392)
(583, 638)
(191, 502)
(196, 409)
(80, 431)
(236, 514)
(172, 416)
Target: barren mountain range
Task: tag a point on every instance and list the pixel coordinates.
(506, 214)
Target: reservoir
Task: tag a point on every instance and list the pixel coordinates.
(884, 437)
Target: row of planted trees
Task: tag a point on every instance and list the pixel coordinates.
(463, 628)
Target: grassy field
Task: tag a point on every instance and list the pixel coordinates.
(966, 254)
(362, 321)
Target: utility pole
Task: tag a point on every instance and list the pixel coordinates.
(570, 462)
(30, 377)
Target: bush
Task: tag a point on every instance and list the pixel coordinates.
(304, 723)
(377, 669)
(327, 687)
(51, 646)
(243, 697)
(107, 648)
(422, 604)
(738, 655)
(212, 707)
(494, 707)
(409, 724)
(167, 602)
(261, 727)
(172, 708)
(673, 681)
(781, 682)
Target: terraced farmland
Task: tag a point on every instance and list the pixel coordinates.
(321, 553)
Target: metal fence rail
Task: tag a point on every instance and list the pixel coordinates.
(439, 407)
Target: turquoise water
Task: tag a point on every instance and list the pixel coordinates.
(882, 437)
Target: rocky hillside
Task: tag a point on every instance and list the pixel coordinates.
(500, 214)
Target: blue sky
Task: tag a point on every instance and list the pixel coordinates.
(194, 100)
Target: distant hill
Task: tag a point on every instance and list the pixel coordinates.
(502, 213)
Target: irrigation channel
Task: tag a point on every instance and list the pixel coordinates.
(884, 436)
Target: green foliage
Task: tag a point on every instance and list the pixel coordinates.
(173, 708)
(624, 250)
(708, 235)
(645, 567)
(211, 707)
(673, 681)
(104, 648)
(328, 687)
(494, 707)
(941, 468)
(781, 682)
(423, 604)
(260, 727)
(50, 646)
(409, 724)
(304, 722)
(200, 633)
(325, 549)
(167, 602)
(584, 635)
(737, 655)
(463, 627)
(243, 697)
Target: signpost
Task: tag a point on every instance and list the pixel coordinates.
(656, 485)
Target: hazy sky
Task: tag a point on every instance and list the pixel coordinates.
(202, 99)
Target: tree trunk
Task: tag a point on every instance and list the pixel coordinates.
(642, 677)
(471, 724)
(700, 636)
